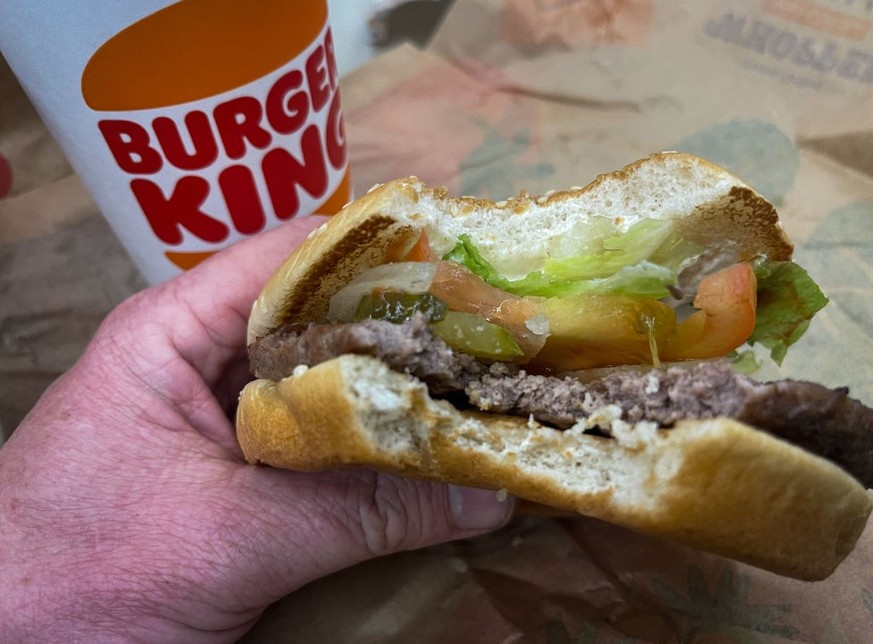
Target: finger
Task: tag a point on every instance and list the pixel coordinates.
(332, 520)
(207, 309)
(242, 269)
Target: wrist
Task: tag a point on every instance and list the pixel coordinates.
(29, 604)
(49, 600)
(50, 561)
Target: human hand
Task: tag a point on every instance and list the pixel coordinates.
(128, 512)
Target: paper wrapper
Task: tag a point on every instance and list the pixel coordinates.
(531, 95)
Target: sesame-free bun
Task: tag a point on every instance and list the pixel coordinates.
(716, 485)
(711, 207)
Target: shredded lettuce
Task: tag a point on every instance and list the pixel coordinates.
(639, 243)
(466, 253)
(642, 262)
(788, 298)
(645, 279)
(744, 361)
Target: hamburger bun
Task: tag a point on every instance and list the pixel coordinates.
(716, 484)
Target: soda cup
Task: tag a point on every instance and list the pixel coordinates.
(193, 123)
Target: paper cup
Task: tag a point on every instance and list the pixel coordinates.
(195, 123)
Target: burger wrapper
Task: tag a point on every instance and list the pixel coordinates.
(515, 95)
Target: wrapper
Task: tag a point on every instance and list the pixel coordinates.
(528, 95)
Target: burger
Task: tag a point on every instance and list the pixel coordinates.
(586, 350)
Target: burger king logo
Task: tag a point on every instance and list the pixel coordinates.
(222, 118)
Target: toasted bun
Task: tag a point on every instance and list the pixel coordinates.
(711, 206)
(716, 485)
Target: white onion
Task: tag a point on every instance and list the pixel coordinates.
(406, 277)
(538, 324)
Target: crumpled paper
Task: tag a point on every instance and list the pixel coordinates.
(61, 269)
(531, 95)
(516, 95)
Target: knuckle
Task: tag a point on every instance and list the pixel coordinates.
(123, 318)
(392, 516)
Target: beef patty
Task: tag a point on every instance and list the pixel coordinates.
(824, 421)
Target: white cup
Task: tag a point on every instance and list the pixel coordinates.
(193, 123)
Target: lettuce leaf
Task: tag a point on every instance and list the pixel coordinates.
(788, 298)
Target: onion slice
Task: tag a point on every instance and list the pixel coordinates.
(538, 324)
(406, 277)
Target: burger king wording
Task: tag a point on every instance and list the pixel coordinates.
(206, 121)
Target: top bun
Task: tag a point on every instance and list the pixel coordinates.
(711, 206)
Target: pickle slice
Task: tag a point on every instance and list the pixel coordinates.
(474, 335)
(397, 307)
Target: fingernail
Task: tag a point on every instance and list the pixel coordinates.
(475, 509)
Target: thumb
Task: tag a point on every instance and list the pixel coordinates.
(401, 514)
(338, 519)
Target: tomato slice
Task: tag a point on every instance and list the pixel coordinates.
(589, 331)
(464, 291)
(727, 301)
(598, 331)
(421, 252)
(601, 331)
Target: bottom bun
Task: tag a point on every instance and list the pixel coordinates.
(716, 485)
